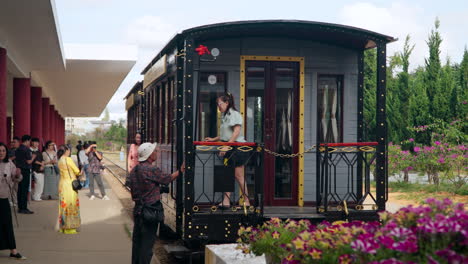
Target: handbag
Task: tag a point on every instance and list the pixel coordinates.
(152, 213)
(56, 168)
(76, 185)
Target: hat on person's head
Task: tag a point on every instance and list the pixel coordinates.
(145, 150)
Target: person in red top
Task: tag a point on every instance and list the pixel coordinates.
(144, 181)
(133, 153)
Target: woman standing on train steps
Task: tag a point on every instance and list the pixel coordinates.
(9, 175)
(231, 131)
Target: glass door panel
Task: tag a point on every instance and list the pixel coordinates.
(284, 85)
(270, 119)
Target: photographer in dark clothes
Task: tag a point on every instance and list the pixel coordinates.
(24, 160)
(144, 182)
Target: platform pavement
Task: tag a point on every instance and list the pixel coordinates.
(103, 238)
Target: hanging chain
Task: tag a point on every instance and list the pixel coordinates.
(288, 156)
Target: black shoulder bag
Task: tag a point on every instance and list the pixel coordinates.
(76, 185)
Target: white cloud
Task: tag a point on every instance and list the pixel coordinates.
(398, 20)
(149, 32)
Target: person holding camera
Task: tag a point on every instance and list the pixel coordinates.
(9, 175)
(94, 170)
(144, 182)
(24, 160)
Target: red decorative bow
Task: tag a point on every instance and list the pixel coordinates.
(202, 50)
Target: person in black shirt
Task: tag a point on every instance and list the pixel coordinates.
(15, 143)
(24, 160)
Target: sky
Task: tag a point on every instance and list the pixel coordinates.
(149, 24)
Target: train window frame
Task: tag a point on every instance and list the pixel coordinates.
(199, 115)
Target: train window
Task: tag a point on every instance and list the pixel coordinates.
(157, 117)
(166, 112)
(330, 108)
(212, 85)
(161, 114)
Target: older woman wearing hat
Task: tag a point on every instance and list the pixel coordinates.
(144, 181)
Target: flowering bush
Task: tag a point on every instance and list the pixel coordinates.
(436, 232)
(400, 161)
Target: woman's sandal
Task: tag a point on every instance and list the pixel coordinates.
(223, 206)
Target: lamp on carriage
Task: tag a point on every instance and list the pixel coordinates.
(215, 52)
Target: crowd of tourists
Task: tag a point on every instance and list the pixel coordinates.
(31, 172)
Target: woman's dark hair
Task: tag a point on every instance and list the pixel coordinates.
(5, 160)
(85, 146)
(47, 144)
(229, 99)
(61, 151)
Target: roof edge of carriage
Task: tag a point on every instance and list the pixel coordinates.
(368, 38)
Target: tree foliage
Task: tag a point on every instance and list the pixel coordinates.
(429, 94)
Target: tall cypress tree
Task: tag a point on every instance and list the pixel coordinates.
(404, 91)
(393, 101)
(444, 110)
(462, 100)
(419, 103)
(370, 86)
(433, 67)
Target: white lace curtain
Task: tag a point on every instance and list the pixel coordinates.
(328, 123)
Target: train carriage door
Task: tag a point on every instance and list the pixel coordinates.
(272, 117)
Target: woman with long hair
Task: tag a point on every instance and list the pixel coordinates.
(133, 153)
(69, 206)
(9, 174)
(231, 131)
(51, 177)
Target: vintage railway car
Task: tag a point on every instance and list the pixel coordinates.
(299, 88)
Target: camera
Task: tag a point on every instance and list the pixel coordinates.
(164, 188)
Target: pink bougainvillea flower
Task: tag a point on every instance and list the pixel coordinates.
(417, 149)
(437, 143)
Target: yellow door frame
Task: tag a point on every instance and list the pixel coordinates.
(243, 59)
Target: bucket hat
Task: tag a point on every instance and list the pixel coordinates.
(145, 150)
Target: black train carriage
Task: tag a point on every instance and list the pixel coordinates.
(299, 87)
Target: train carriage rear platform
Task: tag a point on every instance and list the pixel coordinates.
(299, 88)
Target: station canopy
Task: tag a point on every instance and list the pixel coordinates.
(79, 79)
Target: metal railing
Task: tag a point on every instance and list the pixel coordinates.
(215, 178)
(344, 177)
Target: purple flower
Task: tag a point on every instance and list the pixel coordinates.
(417, 149)
(387, 241)
(365, 243)
(437, 143)
(411, 140)
(451, 256)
